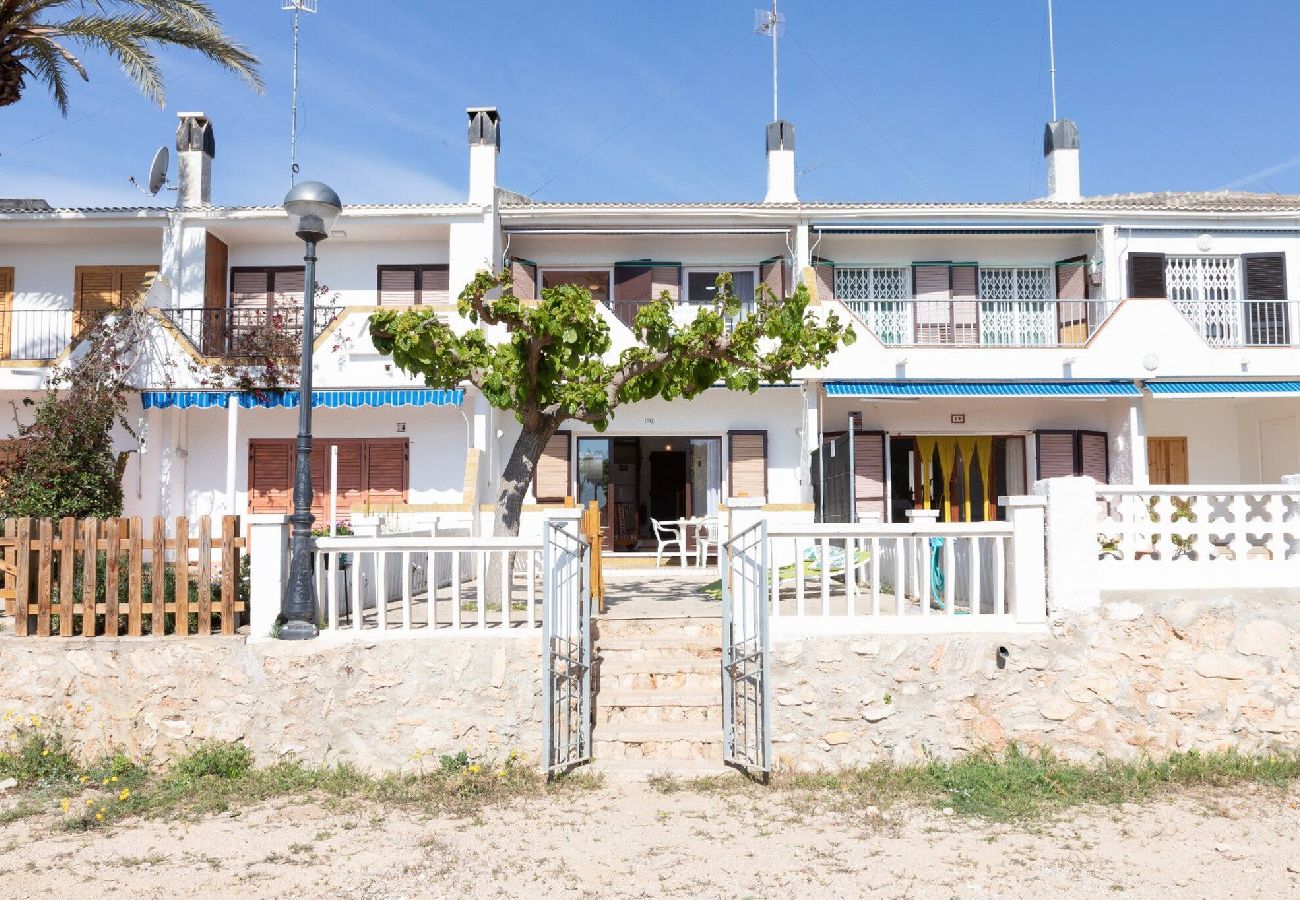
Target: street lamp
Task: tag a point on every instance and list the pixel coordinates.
(312, 207)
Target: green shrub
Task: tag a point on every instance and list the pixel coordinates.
(216, 760)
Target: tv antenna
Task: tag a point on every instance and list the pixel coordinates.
(298, 7)
(769, 22)
(1051, 53)
(157, 174)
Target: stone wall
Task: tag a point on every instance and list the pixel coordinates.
(373, 703)
(1147, 675)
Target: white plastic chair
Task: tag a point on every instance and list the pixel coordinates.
(706, 537)
(667, 535)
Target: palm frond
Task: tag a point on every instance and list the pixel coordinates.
(48, 62)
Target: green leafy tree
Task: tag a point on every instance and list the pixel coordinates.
(553, 362)
(35, 34)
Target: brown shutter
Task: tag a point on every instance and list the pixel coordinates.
(397, 285)
(551, 478)
(435, 284)
(6, 311)
(824, 273)
(386, 471)
(933, 290)
(772, 274)
(1055, 454)
(869, 474)
(1146, 275)
(270, 475)
(1071, 292)
(747, 451)
(1266, 307)
(249, 287)
(351, 481)
(633, 283)
(1094, 456)
(133, 283)
(666, 278)
(524, 275)
(965, 308)
(216, 256)
(288, 286)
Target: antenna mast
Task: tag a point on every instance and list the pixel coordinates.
(297, 6)
(770, 22)
(1051, 50)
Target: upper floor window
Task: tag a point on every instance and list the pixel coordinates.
(597, 281)
(412, 285)
(266, 285)
(1017, 283)
(1203, 279)
(701, 284)
(873, 282)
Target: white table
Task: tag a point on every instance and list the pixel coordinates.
(682, 524)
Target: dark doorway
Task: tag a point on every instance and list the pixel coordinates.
(902, 493)
(667, 484)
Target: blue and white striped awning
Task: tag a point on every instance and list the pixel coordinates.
(291, 399)
(918, 389)
(1186, 389)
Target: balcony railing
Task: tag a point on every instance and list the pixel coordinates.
(626, 311)
(1244, 323)
(248, 332)
(982, 323)
(39, 335)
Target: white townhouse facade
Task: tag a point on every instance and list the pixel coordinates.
(1143, 338)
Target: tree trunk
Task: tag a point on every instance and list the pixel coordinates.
(515, 479)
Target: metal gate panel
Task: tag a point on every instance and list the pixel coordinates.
(833, 480)
(746, 658)
(566, 647)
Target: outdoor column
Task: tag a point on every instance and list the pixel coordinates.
(268, 552)
(1026, 563)
(232, 452)
(1070, 524)
(1137, 431)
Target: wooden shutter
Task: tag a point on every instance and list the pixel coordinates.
(1055, 454)
(270, 475)
(1266, 307)
(249, 287)
(397, 285)
(524, 275)
(1094, 456)
(869, 474)
(633, 283)
(435, 284)
(933, 290)
(6, 311)
(747, 453)
(133, 283)
(387, 470)
(1167, 460)
(351, 483)
(551, 479)
(824, 274)
(666, 278)
(1146, 275)
(1071, 292)
(288, 286)
(965, 306)
(772, 274)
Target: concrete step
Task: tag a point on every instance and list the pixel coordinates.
(708, 627)
(663, 741)
(661, 646)
(668, 679)
(659, 707)
(644, 769)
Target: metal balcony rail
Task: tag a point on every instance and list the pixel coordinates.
(1226, 322)
(978, 322)
(40, 335)
(626, 310)
(248, 332)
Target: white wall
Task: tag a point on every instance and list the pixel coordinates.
(45, 274)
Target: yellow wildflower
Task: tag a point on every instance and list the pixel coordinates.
(114, 778)
(85, 778)
(474, 769)
(90, 801)
(45, 752)
(501, 773)
(126, 792)
(36, 720)
(65, 804)
(99, 817)
(105, 781)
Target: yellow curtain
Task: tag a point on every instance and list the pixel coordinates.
(966, 444)
(947, 459)
(984, 444)
(925, 447)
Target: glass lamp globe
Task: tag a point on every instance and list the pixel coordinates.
(313, 208)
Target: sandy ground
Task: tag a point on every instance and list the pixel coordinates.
(631, 841)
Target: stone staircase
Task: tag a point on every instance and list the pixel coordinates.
(658, 695)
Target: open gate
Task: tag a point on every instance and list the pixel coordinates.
(746, 682)
(566, 647)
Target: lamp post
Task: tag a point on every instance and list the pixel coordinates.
(312, 207)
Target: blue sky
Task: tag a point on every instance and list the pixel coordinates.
(668, 100)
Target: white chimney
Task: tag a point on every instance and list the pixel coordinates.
(484, 146)
(780, 163)
(1061, 147)
(196, 145)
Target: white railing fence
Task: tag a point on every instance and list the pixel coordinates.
(414, 582)
(951, 576)
(980, 322)
(1198, 536)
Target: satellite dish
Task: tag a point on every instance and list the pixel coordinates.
(158, 171)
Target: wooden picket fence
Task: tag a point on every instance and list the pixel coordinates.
(91, 577)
